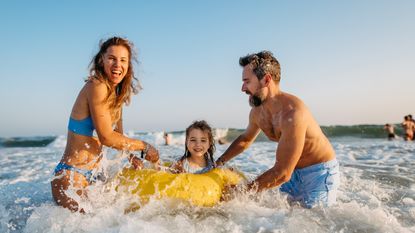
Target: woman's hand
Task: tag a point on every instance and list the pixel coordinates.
(151, 155)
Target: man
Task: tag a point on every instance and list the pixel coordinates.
(306, 165)
(391, 131)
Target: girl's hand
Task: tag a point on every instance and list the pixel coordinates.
(136, 162)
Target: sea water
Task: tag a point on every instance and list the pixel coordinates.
(377, 193)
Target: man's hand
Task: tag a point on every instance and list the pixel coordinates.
(136, 162)
(219, 162)
(228, 193)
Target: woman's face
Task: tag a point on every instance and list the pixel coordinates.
(116, 62)
(197, 142)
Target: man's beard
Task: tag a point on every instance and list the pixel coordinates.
(255, 101)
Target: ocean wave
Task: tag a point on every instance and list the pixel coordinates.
(38, 141)
(229, 134)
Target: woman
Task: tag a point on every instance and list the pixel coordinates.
(98, 107)
(408, 127)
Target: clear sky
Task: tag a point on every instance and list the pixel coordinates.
(351, 62)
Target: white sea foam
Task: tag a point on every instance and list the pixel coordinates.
(377, 194)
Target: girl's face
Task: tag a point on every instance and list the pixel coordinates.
(116, 62)
(197, 142)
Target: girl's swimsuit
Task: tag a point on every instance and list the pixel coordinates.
(200, 170)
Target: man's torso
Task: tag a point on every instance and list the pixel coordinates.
(316, 149)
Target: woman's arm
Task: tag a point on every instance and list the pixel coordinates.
(119, 126)
(101, 116)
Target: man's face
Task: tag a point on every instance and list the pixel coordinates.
(252, 87)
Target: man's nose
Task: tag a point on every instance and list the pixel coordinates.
(243, 89)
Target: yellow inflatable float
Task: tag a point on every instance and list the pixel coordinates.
(196, 189)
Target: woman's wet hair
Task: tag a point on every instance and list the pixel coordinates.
(204, 127)
(262, 63)
(128, 86)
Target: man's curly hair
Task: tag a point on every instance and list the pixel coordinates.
(262, 63)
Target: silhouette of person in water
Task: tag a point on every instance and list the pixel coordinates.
(222, 141)
(408, 126)
(411, 119)
(391, 131)
(167, 138)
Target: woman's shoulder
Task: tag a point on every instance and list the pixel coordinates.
(93, 82)
(93, 85)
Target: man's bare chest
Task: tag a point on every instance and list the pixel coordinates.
(271, 126)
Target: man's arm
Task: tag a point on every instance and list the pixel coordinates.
(240, 143)
(290, 148)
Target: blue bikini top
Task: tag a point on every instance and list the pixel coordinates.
(83, 127)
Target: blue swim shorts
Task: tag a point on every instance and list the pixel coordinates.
(314, 185)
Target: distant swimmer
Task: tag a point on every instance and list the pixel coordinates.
(305, 162)
(167, 138)
(390, 130)
(199, 150)
(222, 141)
(98, 108)
(408, 126)
(413, 120)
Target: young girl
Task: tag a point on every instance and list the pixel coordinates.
(199, 149)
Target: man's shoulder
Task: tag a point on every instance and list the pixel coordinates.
(295, 110)
(292, 99)
(294, 105)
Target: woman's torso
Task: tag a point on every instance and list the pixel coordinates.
(81, 151)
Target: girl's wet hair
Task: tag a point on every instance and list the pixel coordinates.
(128, 86)
(204, 127)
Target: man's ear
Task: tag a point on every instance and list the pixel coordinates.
(267, 79)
